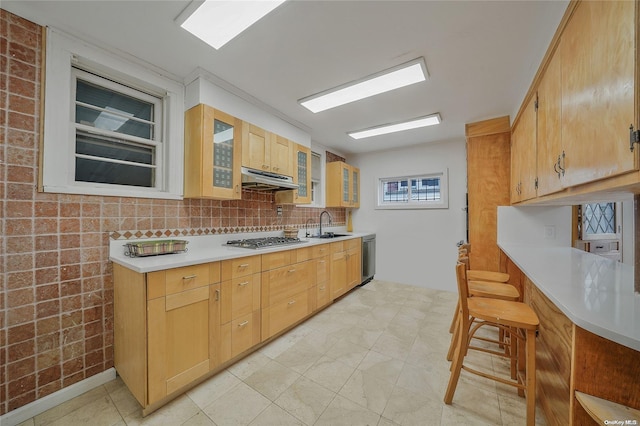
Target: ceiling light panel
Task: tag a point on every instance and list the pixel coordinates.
(217, 22)
(403, 75)
(429, 120)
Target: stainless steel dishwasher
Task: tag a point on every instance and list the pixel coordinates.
(368, 258)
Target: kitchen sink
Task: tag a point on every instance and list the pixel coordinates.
(329, 235)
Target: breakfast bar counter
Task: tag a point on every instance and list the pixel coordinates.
(589, 336)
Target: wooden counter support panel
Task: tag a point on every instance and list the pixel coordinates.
(553, 356)
(606, 370)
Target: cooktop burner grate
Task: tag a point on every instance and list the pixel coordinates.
(255, 243)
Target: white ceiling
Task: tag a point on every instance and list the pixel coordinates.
(481, 56)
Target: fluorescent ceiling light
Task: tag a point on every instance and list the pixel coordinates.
(216, 22)
(393, 78)
(429, 120)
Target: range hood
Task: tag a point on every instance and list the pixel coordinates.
(266, 181)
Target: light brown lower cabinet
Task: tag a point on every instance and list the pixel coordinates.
(176, 327)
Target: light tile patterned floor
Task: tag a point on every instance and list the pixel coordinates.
(375, 357)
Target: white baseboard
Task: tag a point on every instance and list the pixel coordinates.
(41, 405)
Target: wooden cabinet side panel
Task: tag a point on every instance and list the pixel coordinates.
(157, 350)
(193, 141)
(553, 356)
(488, 159)
(605, 369)
(130, 340)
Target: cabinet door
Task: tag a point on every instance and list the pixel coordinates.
(549, 137)
(303, 174)
(178, 341)
(241, 296)
(345, 200)
(523, 155)
(256, 147)
(212, 154)
(355, 187)
(338, 281)
(354, 268)
(597, 51)
(281, 155)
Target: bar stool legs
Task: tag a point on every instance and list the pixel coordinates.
(520, 324)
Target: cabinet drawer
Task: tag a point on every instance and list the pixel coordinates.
(245, 332)
(276, 260)
(279, 284)
(302, 254)
(240, 296)
(352, 244)
(320, 250)
(241, 267)
(285, 313)
(186, 278)
(337, 247)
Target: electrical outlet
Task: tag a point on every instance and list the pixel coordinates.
(549, 232)
(279, 211)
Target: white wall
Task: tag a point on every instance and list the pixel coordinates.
(416, 247)
(540, 226)
(202, 90)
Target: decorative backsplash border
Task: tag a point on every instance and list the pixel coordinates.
(192, 232)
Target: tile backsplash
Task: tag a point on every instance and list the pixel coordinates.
(56, 291)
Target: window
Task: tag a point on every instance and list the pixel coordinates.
(112, 127)
(116, 132)
(600, 221)
(424, 191)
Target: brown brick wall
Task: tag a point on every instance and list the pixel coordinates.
(56, 292)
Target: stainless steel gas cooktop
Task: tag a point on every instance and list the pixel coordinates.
(256, 243)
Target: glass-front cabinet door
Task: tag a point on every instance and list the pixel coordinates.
(303, 174)
(355, 187)
(212, 154)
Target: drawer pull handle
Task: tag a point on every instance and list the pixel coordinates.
(321, 261)
(242, 284)
(244, 265)
(189, 277)
(291, 302)
(291, 270)
(217, 295)
(322, 288)
(243, 323)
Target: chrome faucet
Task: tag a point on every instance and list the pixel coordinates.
(330, 220)
(306, 229)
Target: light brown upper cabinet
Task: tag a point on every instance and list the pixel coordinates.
(262, 150)
(523, 155)
(587, 100)
(597, 55)
(343, 185)
(212, 154)
(301, 175)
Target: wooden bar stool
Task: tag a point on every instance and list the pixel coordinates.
(521, 323)
(484, 289)
(494, 284)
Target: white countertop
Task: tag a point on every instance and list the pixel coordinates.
(594, 292)
(208, 248)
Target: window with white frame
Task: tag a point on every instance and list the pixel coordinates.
(112, 126)
(421, 191)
